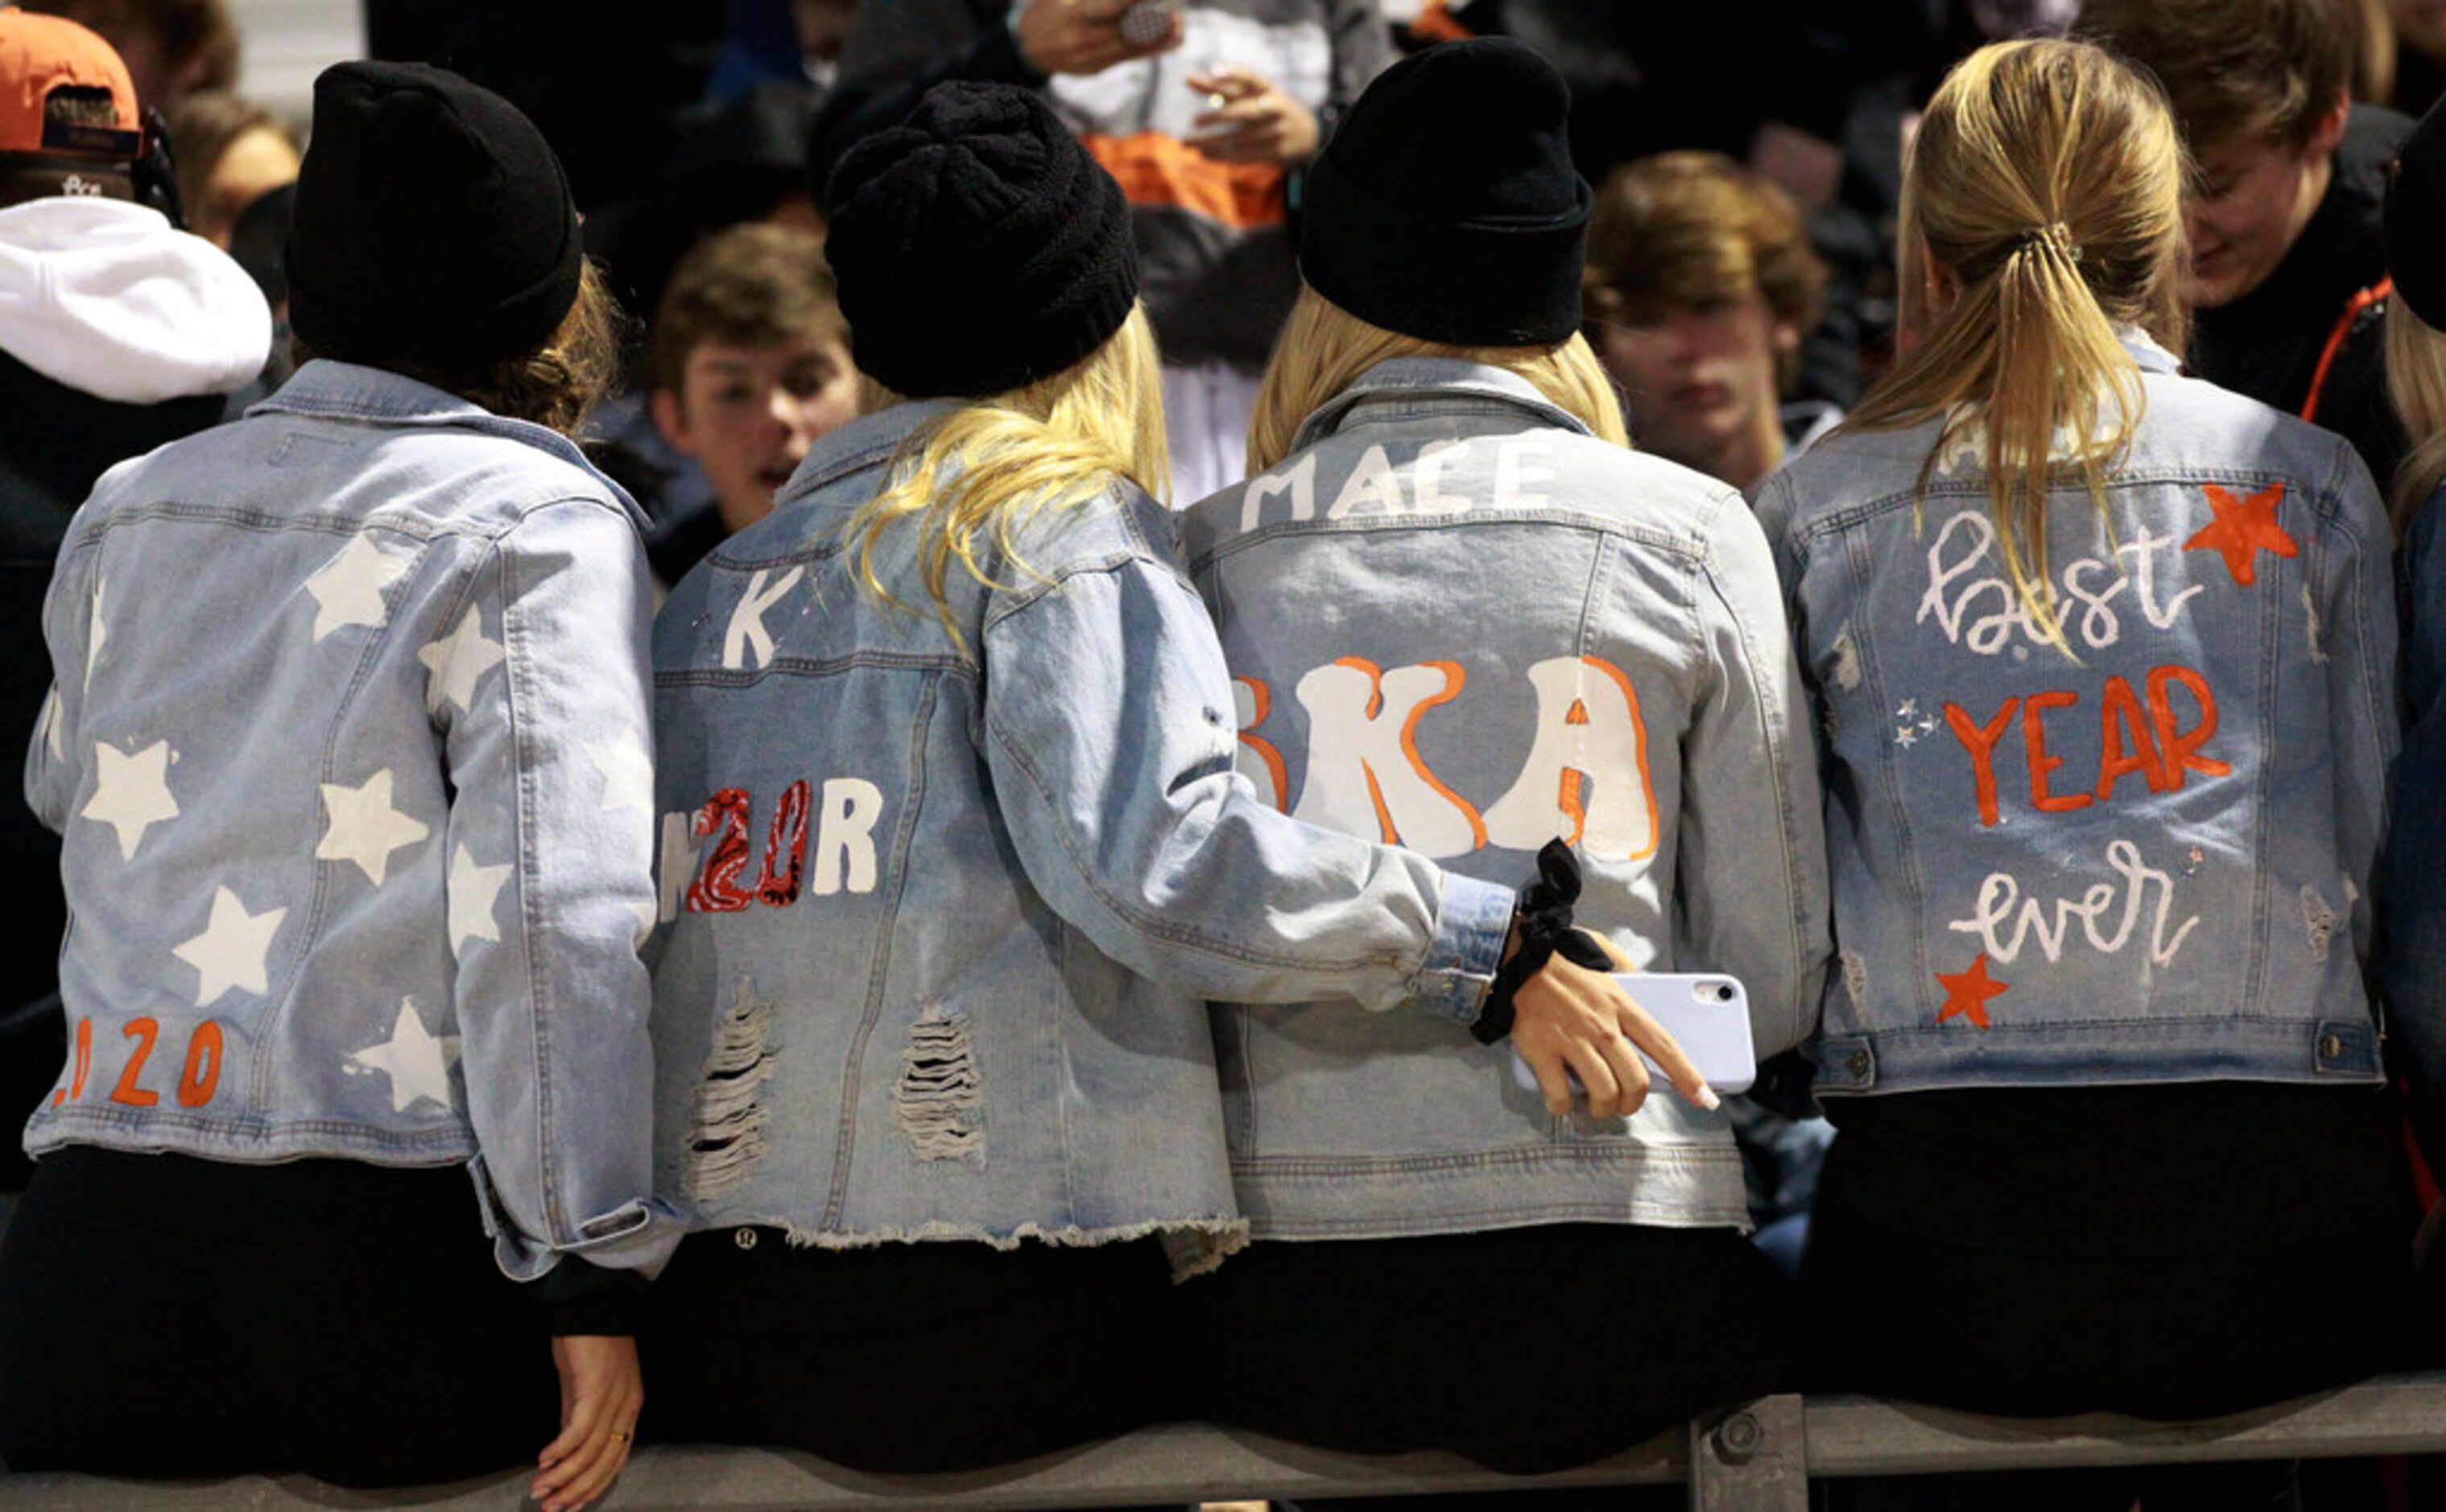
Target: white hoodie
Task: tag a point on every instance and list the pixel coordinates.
(107, 297)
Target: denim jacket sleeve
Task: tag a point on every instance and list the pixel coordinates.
(550, 832)
(2359, 625)
(1751, 890)
(1108, 718)
(53, 768)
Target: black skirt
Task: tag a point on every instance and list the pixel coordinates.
(2168, 1252)
(162, 1315)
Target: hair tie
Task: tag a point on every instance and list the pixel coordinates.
(2053, 236)
(1544, 914)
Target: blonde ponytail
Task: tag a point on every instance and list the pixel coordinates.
(989, 467)
(2044, 192)
(1323, 349)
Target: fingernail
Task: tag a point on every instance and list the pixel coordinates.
(1707, 1098)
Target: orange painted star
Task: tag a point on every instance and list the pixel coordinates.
(1966, 992)
(2244, 528)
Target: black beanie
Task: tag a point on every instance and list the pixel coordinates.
(2415, 218)
(1445, 206)
(433, 223)
(977, 247)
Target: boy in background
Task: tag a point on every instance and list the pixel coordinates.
(2288, 271)
(750, 360)
(1701, 285)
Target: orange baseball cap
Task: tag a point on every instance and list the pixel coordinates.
(41, 53)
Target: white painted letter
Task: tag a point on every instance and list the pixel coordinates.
(851, 805)
(1364, 775)
(1589, 732)
(746, 631)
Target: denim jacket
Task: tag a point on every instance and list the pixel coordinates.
(942, 902)
(2146, 860)
(1458, 622)
(2413, 901)
(349, 748)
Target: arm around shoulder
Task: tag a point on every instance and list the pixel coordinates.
(1110, 736)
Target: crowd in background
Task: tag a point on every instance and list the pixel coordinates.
(1756, 273)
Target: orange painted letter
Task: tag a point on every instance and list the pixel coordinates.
(1980, 741)
(2181, 746)
(2119, 715)
(82, 1063)
(144, 1031)
(203, 1072)
(2034, 739)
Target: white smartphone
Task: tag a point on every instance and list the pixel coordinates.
(1706, 1012)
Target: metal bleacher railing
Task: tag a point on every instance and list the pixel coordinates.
(1760, 1457)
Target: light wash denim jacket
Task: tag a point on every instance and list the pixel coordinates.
(941, 911)
(2144, 861)
(348, 747)
(1457, 620)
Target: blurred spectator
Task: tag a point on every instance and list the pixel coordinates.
(791, 41)
(1771, 81)
(1701, 286)
(2419, 53)
(1204, 117)
(172, 48)
(609, 82)
(744, 162)
(2288, 274)
(750, 363)
(86, 380)
(229, 151)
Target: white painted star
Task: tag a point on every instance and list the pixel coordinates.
(363, 827)
(1906, 737)
(96, 632)
(131, 792)
(53, 713)
(628, 772)
(458, 662)
(229, 954)
(350, 591)
(474, 891)
(417, 1061)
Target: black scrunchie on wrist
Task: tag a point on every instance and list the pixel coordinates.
(1544, 916)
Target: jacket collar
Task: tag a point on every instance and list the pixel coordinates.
(328, 389)
(2144, 350)
(865, 442)
(1407, 387)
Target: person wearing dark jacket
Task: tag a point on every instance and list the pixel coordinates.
(2288, 284)
(1205, 121)
(86, 380)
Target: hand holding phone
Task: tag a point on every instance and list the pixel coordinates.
(1706, 1012)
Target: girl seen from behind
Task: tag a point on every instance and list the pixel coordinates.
(347, 746)
(2103, 659)
(1459, 611)
(953, 855)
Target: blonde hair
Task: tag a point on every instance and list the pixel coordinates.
(2415, 379)
(1323, 349)
(2047, 181)
(991, 466)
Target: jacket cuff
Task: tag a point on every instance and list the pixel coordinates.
(577, 1298)
(1461, 965)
